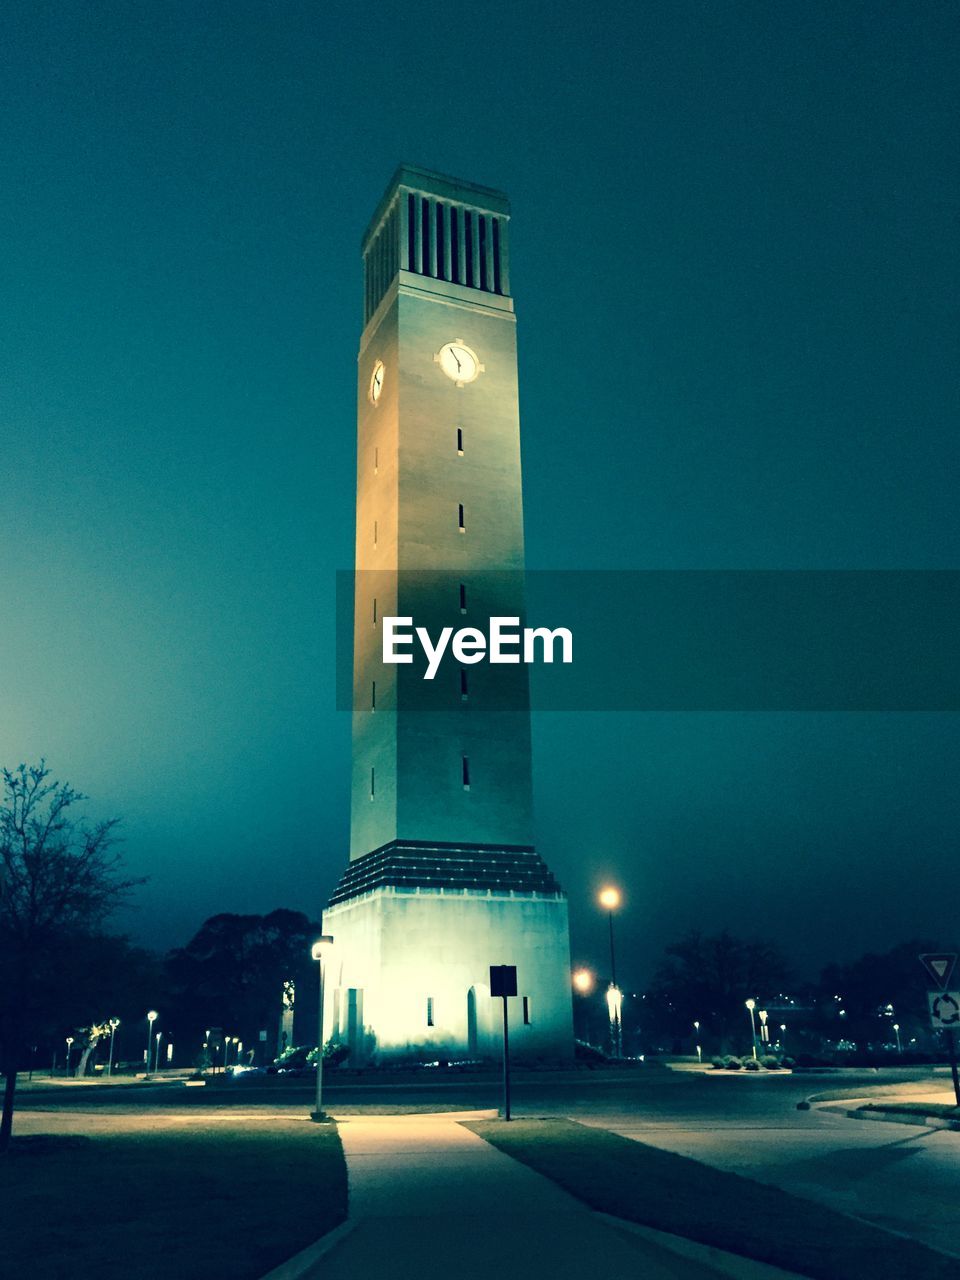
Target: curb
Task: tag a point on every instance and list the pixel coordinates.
(918, 1119)
(297, 1266)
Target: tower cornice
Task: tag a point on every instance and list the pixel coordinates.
(428, 182)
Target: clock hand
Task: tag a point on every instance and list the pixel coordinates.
(453, 352)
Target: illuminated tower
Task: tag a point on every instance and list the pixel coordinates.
(443, 878)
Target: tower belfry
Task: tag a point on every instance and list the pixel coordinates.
(443, 878)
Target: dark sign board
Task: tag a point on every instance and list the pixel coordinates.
(503, 979)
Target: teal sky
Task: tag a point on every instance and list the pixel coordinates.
(735, 260)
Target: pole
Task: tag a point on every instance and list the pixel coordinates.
(149, 1038)
(953, 1065)
(318, 1111)
(617, 1041)
(506, 1061)
(110, 1063)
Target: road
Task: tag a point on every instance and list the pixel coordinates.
(906, 1178)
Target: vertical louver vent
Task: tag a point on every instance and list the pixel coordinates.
(439, 239)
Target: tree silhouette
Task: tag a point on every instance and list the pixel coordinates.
(61, 879)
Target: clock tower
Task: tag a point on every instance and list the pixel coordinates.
(443, 879)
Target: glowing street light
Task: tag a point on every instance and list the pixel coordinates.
(896, 1027)
(114, 1023)
(609, 899)
(696, 1028)
(614, 1008)
(783, 1036)
(69, 1047)
(152, 1016)
(751, 1005)
(318, 951)
(583, 981)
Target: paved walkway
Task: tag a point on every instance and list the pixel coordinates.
(431, 1200)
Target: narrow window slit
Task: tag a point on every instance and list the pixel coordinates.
(466, 773)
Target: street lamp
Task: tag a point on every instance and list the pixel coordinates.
(609, 899)
(69, 1047)
(751, 1005)
(114, 1023)
(319, 951)
(156, 1051)
(583, 981)
(614, 1008)
(696, 1028)
(896, 1027)
(783, 1036)
(152, 1016)
(764, 1033)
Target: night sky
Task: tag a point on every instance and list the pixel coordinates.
(735, 262)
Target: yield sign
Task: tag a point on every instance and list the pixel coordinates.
(939, 965)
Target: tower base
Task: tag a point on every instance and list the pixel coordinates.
(408, 976)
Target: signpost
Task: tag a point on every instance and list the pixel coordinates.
(944, 1005)
(503, 983)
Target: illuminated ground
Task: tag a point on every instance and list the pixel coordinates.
(899, 1176)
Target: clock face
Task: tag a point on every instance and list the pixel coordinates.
(458, 362)
(376, 381)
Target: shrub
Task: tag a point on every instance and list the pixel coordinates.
(719, 1063)
(751, 1064)
(771, 1062)
(788, 1063)
(731, 1063)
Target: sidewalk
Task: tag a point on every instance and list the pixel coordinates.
(430, 1200)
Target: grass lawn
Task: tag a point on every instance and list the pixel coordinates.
(196, 1202)
(672, 1193)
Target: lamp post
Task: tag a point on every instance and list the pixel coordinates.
(783, 1037)
(319, 951)
(615, 1008)
(156, 1050)
(751, 1005)
(152, 1016)
(696, 1029)
(764, 1033)
(896, 1027)
(114, 1023)
(69, 1047)
(610, 900)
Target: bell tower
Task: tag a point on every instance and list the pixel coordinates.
(443, 878)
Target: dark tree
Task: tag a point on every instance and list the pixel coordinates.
(61, 879)
(876, 991)
(707, 980)
(232, 973)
